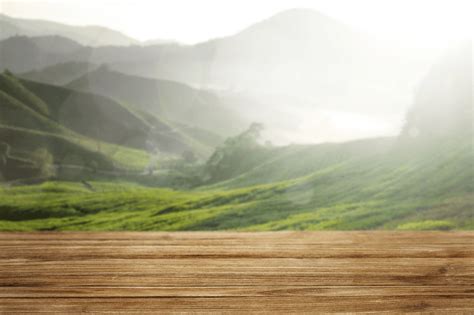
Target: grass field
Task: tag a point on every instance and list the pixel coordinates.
(349, 194)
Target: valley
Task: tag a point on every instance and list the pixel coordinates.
(113, 136)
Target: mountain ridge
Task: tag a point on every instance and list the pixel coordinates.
(87, 35)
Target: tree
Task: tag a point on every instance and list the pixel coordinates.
(189, 157)
(254, 131)
(237, 153)
(4, 152)
(44, 161)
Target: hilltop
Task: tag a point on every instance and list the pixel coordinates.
(86, 35)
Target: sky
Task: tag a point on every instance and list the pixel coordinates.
(192, 21)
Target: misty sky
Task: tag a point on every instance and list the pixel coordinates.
(191, 21)
(426, 23)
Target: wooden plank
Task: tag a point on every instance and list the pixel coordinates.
(283, 272)
(75, 252)
(240, 272)
(92, 291)
(438, 304)
(427, 237)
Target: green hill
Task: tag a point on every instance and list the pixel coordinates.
(26, 128)
(66, 151)
(203, 140)
(59, 74)
(102, 118)
(17, 114)
(29, 125)
(39, 116)
(168, 100)
(428, 190)
(12, 86)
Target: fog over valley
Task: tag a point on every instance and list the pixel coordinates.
(282, 115)
(308, 77)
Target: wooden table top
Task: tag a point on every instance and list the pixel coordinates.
(285, 272)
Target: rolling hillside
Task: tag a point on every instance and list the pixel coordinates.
(369, 184)
(150, 99)
(79, 130)
(427, 191)
(102, 118)
(168, 100)
(59, 74)
(26, 128)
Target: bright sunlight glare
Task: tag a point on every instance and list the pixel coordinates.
(430, 22)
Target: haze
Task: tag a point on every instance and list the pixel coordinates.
(338, 71)
(430, 23)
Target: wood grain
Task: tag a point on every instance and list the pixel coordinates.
(205, 272)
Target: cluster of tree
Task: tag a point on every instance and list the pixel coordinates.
(4, 152)
(40, 164)
(236, 155)
(44, 162)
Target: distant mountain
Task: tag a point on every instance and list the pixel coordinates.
(301, 73)
(297, 53)
(169, 100)
(86, 35)
(60, 74)
(154, 42)
(21, 54)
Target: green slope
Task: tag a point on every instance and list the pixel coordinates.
(284, 163)
(35, 113)
(59, 74)
(426, 189)
(102, 118)
(27, 125)
(65, 150)
(169, 100)
(16, 113)
(11, 85)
